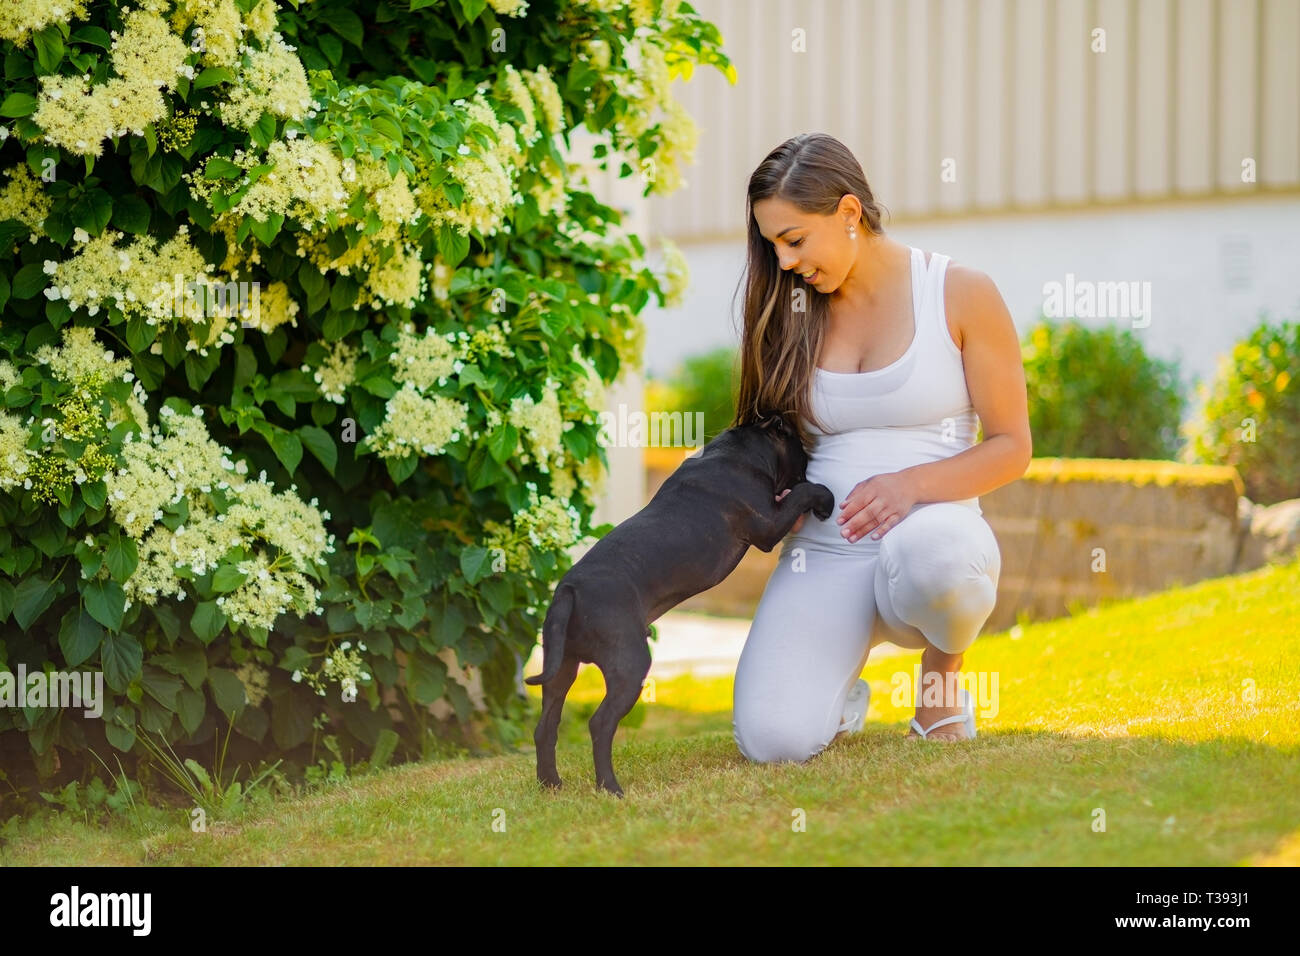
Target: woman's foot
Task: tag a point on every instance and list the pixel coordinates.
(935, 684)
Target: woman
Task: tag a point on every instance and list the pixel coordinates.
(881, 356)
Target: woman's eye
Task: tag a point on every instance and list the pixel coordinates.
(799, 243)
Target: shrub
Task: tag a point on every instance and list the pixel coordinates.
(1097, 394)
(1250, 415)
(305, 324)
(706, 383)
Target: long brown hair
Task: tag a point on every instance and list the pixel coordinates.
(779, 346)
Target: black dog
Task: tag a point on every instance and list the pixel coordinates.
(689, 537)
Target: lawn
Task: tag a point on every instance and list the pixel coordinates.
(1176, 714)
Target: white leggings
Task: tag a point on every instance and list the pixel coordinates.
(931, 579)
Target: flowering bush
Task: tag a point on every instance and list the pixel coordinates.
(335, 246)
(1248, 415)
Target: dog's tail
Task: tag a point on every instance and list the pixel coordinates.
(554, 630)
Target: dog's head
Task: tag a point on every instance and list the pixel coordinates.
(791, 460)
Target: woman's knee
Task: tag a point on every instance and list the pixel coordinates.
(936, 550)
(941, 574)
(764, 740)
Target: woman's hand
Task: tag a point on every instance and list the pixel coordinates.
(798, 522)
(876, 505)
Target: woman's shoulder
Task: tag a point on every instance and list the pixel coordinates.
(970, 297)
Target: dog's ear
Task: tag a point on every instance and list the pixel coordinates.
(773, 420)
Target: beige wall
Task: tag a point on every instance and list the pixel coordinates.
(1009, 89)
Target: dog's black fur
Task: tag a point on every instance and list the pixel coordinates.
(689, 537)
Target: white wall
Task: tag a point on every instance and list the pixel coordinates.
(1212, 265)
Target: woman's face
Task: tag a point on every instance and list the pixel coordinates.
(807, 243)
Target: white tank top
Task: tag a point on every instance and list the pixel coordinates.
(915, 410)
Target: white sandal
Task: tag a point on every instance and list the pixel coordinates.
(855, 708)
(967, 715)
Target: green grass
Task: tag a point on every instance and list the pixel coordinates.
(1136, 709)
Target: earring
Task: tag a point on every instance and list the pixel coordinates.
(853, 233)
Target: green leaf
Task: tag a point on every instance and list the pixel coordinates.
(443, 134)
(92, 210)
(345, 23)
(385, 744)
(18, 104)
(399, 469)
(263, 131)
(95, 494)
(425, 679)
(311, 280)
(499, 594)
(131, 214)
(332, 47)
(105, 601)
(207, 621)
(212, 76)
(188, 661)
(29, 281)
(79, 637)
(452, 246)
(502, 441)
(267, 229)
(290, 721)
(221, 168)
(120, 728)
(475, 563)
(321, 445)
(228, 578)
(32, 595)
(472, 8)
(287, 448)
(49, 47)
(96, 36)
(162, 687)
(58, 226)
(245, 366)
(122, 557)
(190, 706)
(121, 656)
(227, 691)
(139, 334)
(200, 774)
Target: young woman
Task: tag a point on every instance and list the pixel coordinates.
(881, 355)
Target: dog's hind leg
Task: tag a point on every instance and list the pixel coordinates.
(624, 674)
(548, 726)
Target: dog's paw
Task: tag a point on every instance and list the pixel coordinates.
(824, 503)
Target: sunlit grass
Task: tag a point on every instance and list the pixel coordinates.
(1177, 715)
